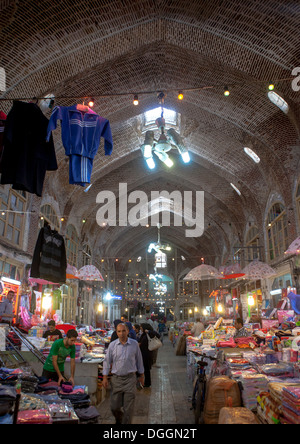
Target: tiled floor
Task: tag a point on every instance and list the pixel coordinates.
(166, 402)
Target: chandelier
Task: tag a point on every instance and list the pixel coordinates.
(160, 257)
(166, 142)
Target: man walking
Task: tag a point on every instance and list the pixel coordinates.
(124, 358)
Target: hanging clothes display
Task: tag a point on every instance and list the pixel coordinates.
(2, 126)
(81, 131)
(26, 154)
(49, 259)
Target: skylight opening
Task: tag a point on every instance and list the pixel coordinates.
(169, 116)
(278, 101)
(252, 154)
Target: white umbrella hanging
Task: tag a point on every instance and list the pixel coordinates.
(233, 271)
(258, 270)
(72, 272)
(89, 273)
(294, 248)
(203, 272)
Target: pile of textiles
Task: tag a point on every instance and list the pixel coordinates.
(244, 342)
(9, 375)
(28, 381)
(88, 415)
(47, 387)
(238, 363)
(253, 385)
(31, 402)
(268, 409)
(41, 416)
(238, 415)
(280, 370)
(291, 405)
(77, 389)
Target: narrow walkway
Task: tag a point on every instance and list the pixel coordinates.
(166, 402)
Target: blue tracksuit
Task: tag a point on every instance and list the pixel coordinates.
(81, 133)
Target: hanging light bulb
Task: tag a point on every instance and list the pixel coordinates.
(226, 91)
(271, 86)
(136, 100)
(180, 95)
(251, 301)
(91, 102)
(220, 308)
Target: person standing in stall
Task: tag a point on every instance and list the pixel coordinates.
(7, 309)
(55, 363)
(52, 332)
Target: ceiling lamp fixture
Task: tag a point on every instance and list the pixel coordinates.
(136, 100)
(180, 95)
(226, 91)
(252, 154)
(91, 102)
(271, 86)
(236, 189)
(164, 144)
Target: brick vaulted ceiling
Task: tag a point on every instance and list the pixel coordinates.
(103, 48)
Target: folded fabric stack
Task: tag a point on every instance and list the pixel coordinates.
(268, 410)
(280, 370)
(41, 416)
(291, 404)
(257, 359)
(244, 342)
(88, 415)
(9, 375)
(29, 383)
(253, 385)
(31, 402)
(77, 389)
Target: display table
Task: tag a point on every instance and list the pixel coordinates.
(86, 373)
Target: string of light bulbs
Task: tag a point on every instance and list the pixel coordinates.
(180, 92)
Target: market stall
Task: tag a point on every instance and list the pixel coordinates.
(43, 401)
(264, 363)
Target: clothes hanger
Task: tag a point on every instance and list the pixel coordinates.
(82, 107)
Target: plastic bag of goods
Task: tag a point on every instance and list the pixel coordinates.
(238, 415)
(221, 392)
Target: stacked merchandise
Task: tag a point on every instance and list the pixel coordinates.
(270, 404)
(238, 415)
(31, 401)
(280, 370)
(61, 411)
(291, 405)
(41, 416)
(268, 410)
(253, 385)
(222, 392)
